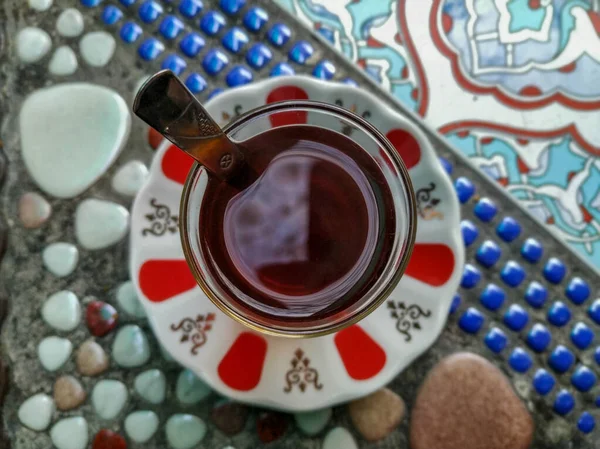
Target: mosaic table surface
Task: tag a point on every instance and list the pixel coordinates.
(525, 304)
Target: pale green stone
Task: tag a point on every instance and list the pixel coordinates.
(70, 433)
(109, 398)
(339, 438)
(311, 423)
(62, 311)
(184, 431)
(60, 258)
(100, 224)
(140, 426)
(36, 412)
(151, 385)
(53, 352)
(129, 301)
(130, 348)
(190, 389)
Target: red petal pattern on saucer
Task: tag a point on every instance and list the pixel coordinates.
(406, 145)
(242, 366)
(163, 279)
(176, 164)
(432, 263)
(363, 358)
(287, 93)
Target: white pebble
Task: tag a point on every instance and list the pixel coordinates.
(97, 48)
(36, 412)
(130, 178)
(40, 5)
(99, 224)
(62, 311)
(70, 23)
(53, 352)
(60, 258)
(32, 44)
(70, 433)
(63, 62)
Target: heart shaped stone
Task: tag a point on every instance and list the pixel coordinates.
(68, 393)
(190, 389)
(130, 348)
(53, 352)
(70, 134)
(101, 318)
(184, 431)
(36, 412)
(107, 439)
(70, 23)
(70, 433)
(62, 311)
(109, 398)
(63, 62)
(91, 359)
(140, 426)
(99, 224)
(60, 258)
(151, 385)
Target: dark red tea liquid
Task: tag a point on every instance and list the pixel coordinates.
(310, 236)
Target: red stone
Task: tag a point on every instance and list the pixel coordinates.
(154, 138)
(287, 118)
(101, 318)
(271, 426)
(106, 439)
(176, 164)
(163, 279)
(406, 145)
(431, 263)
(363, 358)
(241, 368)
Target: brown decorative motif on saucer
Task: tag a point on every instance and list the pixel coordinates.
(407, 318)
(237, 111)
(161, 220)
(301, 374)
(347, 129)
(194, 331)
(426, 205)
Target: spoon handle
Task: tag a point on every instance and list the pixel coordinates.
(166, 104)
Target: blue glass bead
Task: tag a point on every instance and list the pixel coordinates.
(127, 2)
(532, 250)
(488, 253)
(149, 11)
(212, 22)
(90, 3)
(234, 40)
(282, 69)
(594, 311)
(456, 300)
(496, 340)
(520, 360)
(279, 34)
(586, 422)
(190, 8)
(174, 63)
(469, 231)
(215, 92)
(465, 189)
(516, 317)
(471, 276)
(150, 49)
(559, 314)
(471, 320)
(512, 273)
(508, 229)
(597, 402)
(170, 27)
(214, 61)
(301, 52)
(597, 355)
(130, 32)
(259, 56)
(195, 83)
(238, 76)
(539, 337)
(561, 359)
(231, 7)
(578, 290)
(555, 270)
(111, 15)
(324, 70)
(255, 19)
(446, 164)
(582, 336)
(536, 294)
(350, 82)
(543, 382)
(485, 210)
(564, 402)
(492, 297)
(192, 44)
(583, 378)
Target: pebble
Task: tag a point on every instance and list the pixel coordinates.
(271, 426)
(60, 258)
(34, 210)
(101, 318)
(165, 354)
(130, 348)
(107, 439)
(130, 178)
(230, 417)
(70, 23)
(53, 352)
(184, 431)
(100, 224)
(63, 62)
(36, 412)
(140, 426)
(97, 48)
(465, 402)
(40, 5)
(91, 359)
(70, 134)
(70, 433)
(339, 438)
(128, 300)
(190, 389)
(32, 44)
(62, 311)
(313, 422)
(377, 415)
(151, 385)
(68, 393)
(108, 398)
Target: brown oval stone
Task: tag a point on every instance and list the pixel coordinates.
(230, 417)
(377, 415)
(68, 393)
(271, 426)
(34, 210)
(91, 359)
(466, 402)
